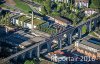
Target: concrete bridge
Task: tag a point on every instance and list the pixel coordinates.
(90, 25)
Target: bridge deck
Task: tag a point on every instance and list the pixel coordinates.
(23, 39)
(44, 41)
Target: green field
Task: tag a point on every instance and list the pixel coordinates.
(23, 6)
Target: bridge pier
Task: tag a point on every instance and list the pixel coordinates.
(49, 46)
(80, 32)
(23, 56)
(60, 41)
(95, 23)
(89, 26)
(69, 39)
(98, 22)
(30, 55)
(15, 58)
(38, 51)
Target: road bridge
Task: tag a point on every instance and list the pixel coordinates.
(90, 25)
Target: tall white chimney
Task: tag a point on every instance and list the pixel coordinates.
(32, 22)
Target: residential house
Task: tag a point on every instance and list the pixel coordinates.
(82, 3)
(62, 21)
(88, 48)
(65, 1)
(89, 11)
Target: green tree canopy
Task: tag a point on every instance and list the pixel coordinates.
(74, 18)
(29, 62)
(43, 10)
(47, 5)
(95, 4)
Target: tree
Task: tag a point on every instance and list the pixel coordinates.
(53, 5)
(43, 10)
(60, 7)
(95, 4)
(7, 16)
(63, 6)
(5, 20)
(64, 13)
(68, 10)
(29, 62)
(84, 19)
(74, 18)
(71, 4)
(19, 21)
(2, 20)
(47, 5)
(55, 13)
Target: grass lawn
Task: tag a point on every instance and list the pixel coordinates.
(22, 6)
(23, 18)
(37, 22)
(83, 29)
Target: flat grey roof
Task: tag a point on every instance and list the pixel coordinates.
(22, 38)
(91, 44)
(15, 16)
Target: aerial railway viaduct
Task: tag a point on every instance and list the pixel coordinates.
(90, 24)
